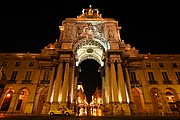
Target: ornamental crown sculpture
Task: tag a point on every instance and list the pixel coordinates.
(90, 13)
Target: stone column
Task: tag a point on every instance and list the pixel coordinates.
(75, 90)
(65, 84)
(114, 83)
(102, 70)
(107, 83)
(128, 85)
(131, 100)
(121, 84)
(76, 75)
(58, 83)
(46, 106)
(122, 91)
(51, 85)
(72, 93)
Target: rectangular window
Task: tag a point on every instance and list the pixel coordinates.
(133, 76)
(165, 76)
(178, 75)
(46, 74)
(151, 76)
(28, 75)
(161, 65)
(148, 65)
(31, 64)
(174, 65)
(4, 64)
(14, 75)
(17, 64)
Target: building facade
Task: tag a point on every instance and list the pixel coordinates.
(132, 83)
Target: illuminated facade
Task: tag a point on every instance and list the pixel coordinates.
(132, 83)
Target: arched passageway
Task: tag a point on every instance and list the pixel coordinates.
(90, 77)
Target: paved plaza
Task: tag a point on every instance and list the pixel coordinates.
(29, 117)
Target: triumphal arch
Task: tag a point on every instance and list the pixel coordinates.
(90, 36)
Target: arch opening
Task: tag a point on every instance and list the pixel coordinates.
(90, 78)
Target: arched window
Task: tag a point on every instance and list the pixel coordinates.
(22, 99)
(138, 100)
(157, 101)
(7, 101)
(171, 100)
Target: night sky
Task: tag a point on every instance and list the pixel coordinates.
(150, 26)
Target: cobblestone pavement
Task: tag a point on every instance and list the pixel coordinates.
(38, 117)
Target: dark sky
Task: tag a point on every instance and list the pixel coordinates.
(148, 25)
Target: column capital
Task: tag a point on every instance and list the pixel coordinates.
(72, 62)
(125, 65)
(39, 67)
(140, 67)
(111, 61)
(61, 61)
(119, 61)
(67, 61)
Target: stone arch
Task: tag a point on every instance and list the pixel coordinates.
(157, 100)
(85, 57)
(90, 49)
(22, 98)
(138, 100)
(173, 91)
(40, 99)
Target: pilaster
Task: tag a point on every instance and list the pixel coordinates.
(146, 93)
(131, 100)
(108, 95)
(46, 106)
